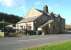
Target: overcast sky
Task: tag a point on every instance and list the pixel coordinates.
(21, 7)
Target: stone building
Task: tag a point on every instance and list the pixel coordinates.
(42, 20)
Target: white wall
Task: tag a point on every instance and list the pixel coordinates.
(18, 25)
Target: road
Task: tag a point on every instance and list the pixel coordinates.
(13, 43)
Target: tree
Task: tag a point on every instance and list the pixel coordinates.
(8, 19)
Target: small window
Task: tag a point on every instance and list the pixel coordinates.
(21, 26)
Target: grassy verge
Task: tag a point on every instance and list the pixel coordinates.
(1, 34)
(65, 45)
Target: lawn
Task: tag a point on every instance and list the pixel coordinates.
(65, 45)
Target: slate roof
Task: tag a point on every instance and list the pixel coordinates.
(29, 19)
(36, 12)
(32, 18)
(48, 22)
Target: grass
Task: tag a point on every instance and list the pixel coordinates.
(65, 45)
(1, 34)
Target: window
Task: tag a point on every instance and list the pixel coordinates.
(21, 27)
(28, 27)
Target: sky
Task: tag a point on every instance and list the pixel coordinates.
(21, 7)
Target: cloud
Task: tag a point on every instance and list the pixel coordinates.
(12, 3)
(8, 3)
(40, 2)
(0, 0)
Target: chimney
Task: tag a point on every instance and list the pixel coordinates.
(45, 9)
